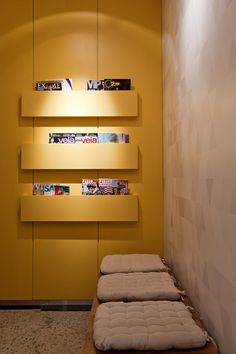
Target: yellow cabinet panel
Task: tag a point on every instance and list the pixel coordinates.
(79, 156)
(79, 208)
(79, 104)
(16, 64)
(130, 42)
(65, 269)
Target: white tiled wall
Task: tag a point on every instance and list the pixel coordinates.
(199, 58)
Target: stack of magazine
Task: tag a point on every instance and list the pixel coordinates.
(50, 189)
(88, 138)
(65, 84)
(104, 186)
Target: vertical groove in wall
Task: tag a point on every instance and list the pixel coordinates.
(97, 69)
(162, 127)
(33, 173)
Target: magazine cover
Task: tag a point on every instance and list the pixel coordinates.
(120, 186)
(105, 186)
(54, 85)
(66, 84)
(95, 85)
(109, 84)
(51, 85)
(119, 138)
(62, 189)
(90, 187)
(49, 189)
(73, 138)
(38, 189)
(117, 84)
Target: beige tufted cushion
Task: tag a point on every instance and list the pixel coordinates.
(137, 286)
(148, 325)
(129, 263)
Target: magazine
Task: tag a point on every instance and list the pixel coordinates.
(109, 84)
(117, 84)
(113, 138)
(50, 189)
(95, 85)
(88, 138)
(54, 85)
(120, 186)
(38, 189)
(104, 186)
(62, 189)
(73, 138)
(90, 187)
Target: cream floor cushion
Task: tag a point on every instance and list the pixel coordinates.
(128, 263)
(147, 325)
(137, 286)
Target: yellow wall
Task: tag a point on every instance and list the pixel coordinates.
(16, 75)
(81, 40)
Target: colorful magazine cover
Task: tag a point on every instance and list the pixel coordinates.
(88, 138)
(62, 189)
(90, 187)
(119, 138)
(104, 186)
(73, 138)
(50, 189)
(120, 186)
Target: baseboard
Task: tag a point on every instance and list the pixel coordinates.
(47, 305)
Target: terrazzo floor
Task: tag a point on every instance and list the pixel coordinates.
(42, 332)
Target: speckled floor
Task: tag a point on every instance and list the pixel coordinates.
(42, 332)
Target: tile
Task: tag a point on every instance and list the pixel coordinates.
(199, 78)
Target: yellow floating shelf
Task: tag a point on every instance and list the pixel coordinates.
(79, 104)
(79, 208)
(79, 156)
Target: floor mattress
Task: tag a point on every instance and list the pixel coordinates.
(129, 263)
(137, 287)
(148, 325)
